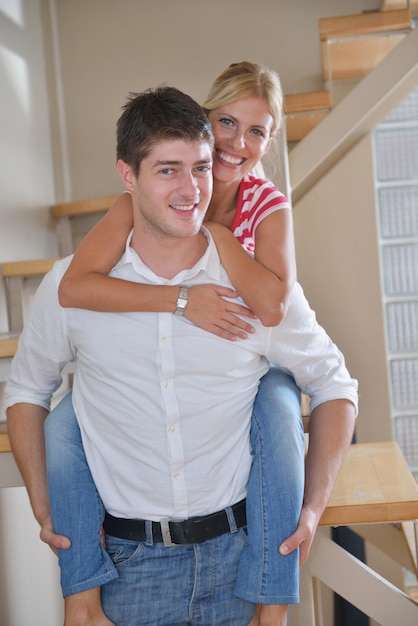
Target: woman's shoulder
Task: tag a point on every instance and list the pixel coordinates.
(253, 188)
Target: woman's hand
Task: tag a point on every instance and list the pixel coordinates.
(208, 309)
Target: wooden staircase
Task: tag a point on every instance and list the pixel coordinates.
(74, 219)
(16, 276)
(303, 111)
(351, 46)
(8, 347)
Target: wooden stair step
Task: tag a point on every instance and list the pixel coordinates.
(298, 126)
(354, 44)
(375, 485)
(38, 267)
(4, 439)
(378, 22)
(355, 59)
(83, 207)
(16, 275)
(303, 111)
(8, 345)
(75, 219)
(392, 5)
(307, 101)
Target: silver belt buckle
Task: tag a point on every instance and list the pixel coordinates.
(166, 534)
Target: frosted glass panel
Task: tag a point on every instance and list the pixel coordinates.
(400, 269)
(397, 154)
(406, 429)
(396, 151)
(405, 383)
(402, 326)
(407, 110)
(398, 208)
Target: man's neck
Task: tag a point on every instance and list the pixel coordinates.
(167, 256)
(223, 204)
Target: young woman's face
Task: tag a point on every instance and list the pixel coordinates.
(242, 136)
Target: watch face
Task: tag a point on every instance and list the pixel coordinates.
(182, 300)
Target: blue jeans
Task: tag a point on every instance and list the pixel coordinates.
(274, 499)
(76, 508)
(150, 590)
(274, 493)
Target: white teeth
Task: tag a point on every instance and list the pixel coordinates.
(229, 159)
(189, 207)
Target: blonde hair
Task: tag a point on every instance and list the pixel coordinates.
(243, 80)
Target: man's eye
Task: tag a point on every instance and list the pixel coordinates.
(166, 170)
(204, 168)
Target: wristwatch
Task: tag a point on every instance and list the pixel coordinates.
(182, 300)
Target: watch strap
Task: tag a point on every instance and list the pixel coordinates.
(182, 300)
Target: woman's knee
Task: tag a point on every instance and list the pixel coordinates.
(61, 420)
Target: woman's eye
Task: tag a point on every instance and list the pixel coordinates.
(226, 121)
(257, 131)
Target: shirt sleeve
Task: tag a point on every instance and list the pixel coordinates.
(267, 200)
(44, 347)
(301, 347)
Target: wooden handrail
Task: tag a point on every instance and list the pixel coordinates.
(83, 207)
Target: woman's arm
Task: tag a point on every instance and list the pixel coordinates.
(265, 281)
(86, 283)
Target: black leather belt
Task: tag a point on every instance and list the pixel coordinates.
(173, 532)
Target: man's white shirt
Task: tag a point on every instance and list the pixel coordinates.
(164, 407)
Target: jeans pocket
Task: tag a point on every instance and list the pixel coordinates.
(122, 551)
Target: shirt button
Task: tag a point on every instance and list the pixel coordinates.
(172, 429)
(177, 475)
(165, 384)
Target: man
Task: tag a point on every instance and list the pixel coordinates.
(163, 406)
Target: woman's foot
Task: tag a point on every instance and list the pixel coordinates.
(85, 609)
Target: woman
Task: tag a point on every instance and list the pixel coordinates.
(251, 223)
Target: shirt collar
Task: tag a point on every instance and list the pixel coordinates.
(209, 263)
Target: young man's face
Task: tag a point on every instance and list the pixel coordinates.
(173, 188)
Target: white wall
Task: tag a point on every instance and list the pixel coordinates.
(29, 574)
(338, 265)
(26, 181)
(109, 48)
(29, 593)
